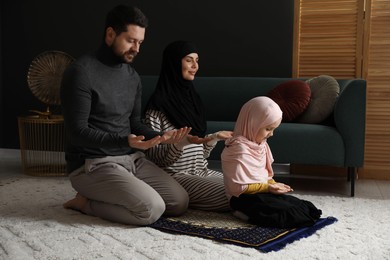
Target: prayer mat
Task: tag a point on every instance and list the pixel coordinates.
(224, 227)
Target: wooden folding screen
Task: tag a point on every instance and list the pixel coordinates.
(351, 39)
(376, 70)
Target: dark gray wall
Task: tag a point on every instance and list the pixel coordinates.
(235, 38)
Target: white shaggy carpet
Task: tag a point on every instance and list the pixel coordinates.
(34, 225)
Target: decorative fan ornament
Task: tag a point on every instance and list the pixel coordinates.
(44, 77)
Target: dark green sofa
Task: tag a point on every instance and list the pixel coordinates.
(338, 141)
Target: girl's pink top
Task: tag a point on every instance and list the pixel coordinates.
(243, 160)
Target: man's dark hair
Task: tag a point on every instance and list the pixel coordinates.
(121, 16)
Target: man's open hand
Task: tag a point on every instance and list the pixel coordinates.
(139, 143)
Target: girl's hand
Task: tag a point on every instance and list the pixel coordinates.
(279, 188)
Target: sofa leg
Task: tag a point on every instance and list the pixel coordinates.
(351, 178)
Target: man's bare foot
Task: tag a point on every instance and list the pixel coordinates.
(77, 203)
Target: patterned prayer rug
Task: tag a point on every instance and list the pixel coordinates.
(224, 227)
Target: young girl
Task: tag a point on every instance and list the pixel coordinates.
(248, 175)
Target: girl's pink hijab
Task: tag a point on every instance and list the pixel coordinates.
(243, 160)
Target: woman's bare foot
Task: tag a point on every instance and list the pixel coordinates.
(77, 203)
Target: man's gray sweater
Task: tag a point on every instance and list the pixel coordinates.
(101, 104)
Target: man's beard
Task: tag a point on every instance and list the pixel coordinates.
(128, 57)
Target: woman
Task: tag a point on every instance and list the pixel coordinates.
(173, 104)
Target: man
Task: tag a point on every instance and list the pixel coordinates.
(101, 100)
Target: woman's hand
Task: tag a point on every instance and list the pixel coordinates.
(175, 136)
(220, 135)
(279, 188)
(223, 135)
(193, 139)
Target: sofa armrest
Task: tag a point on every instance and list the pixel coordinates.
(350, 119)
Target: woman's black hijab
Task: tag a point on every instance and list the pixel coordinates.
(175, 96)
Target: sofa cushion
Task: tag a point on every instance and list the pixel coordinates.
(324, 93)
(293, 97)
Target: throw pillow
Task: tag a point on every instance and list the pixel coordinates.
(293, 98)
(324, 93)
